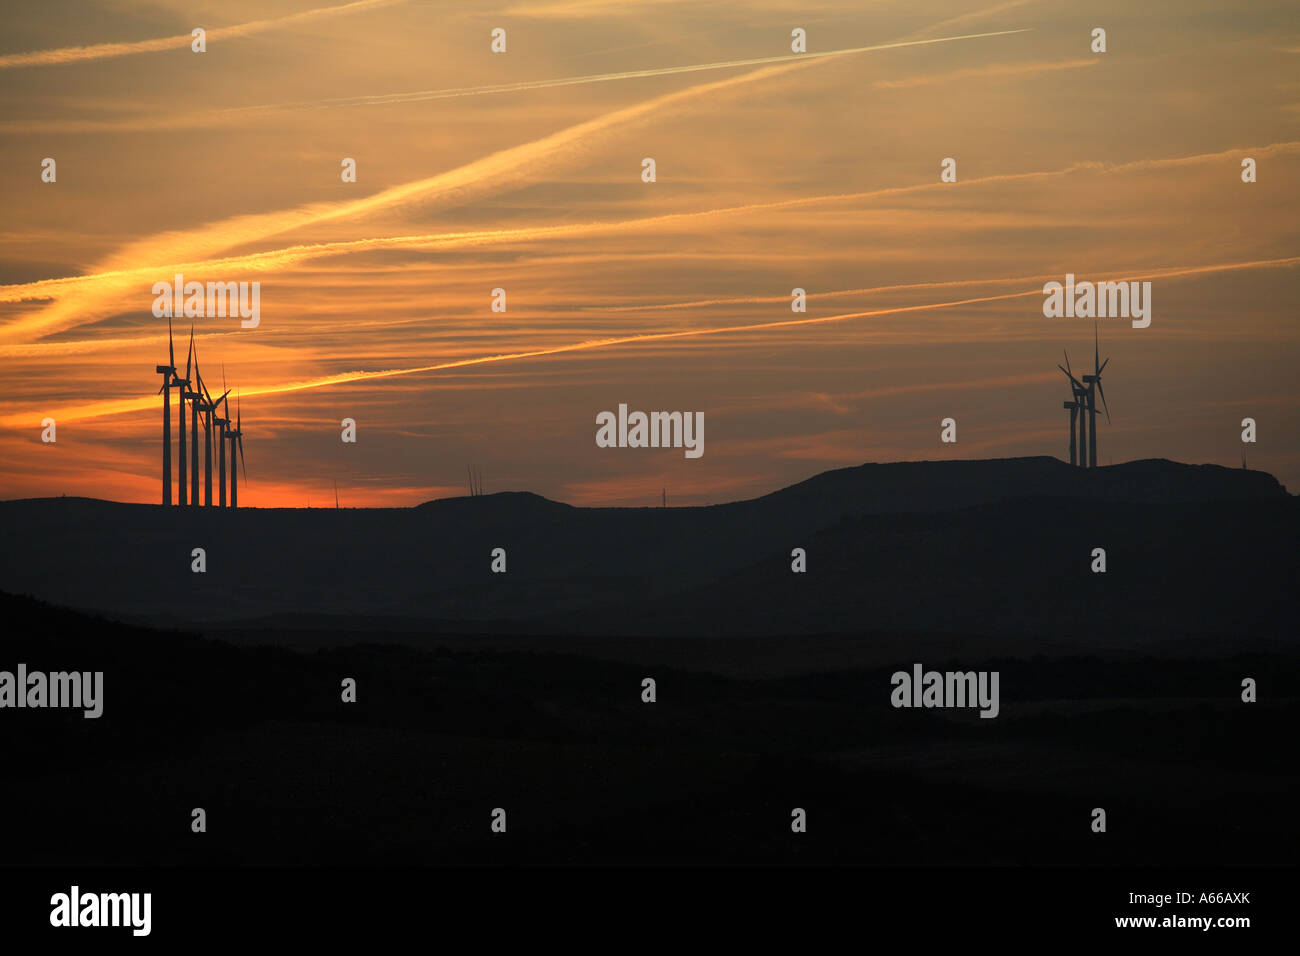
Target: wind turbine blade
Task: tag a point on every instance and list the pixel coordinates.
(171, 347)
(1071, 377)
(190, 355)
(1067, 363)
(240, 441)
(1096, 348)
(1103, 367)
(1102, 392)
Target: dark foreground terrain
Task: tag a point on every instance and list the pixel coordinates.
(447, 728)
(523, 690)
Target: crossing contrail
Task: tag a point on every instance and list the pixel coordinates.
(119, 406)
(501, 170)
(418, 95)
(498, 170)
(292, 255)
(103, 51)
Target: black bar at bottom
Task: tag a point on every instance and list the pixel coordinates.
(441, 905)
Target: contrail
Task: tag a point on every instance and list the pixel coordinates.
(277, 258)
(418, 95)
(982, 72)
(86, 346)
(977, 15)
(116, 407)
(498, 170)
(103, 51)
(828, 294)
(1171, 272)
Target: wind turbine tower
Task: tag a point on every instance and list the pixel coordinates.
(236, 436)
(1093, 382)
(195, 396)
(222, 424)
(168, 372)
(1078, 424)
(182, 391)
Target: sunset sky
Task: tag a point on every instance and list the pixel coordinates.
(821, 173)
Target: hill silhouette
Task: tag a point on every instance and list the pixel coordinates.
(998, 546)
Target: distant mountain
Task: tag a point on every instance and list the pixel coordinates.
(910, 486)
(998, 547)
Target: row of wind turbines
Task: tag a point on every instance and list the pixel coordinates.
(1083, 430)
(195, 393)
(1082, 408)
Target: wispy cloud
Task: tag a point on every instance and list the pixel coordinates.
(114, 407)
(498, 171)
(116, 276)
(419, 95)
(974, 16)
(82, 293)
(982, 72)
(104, 51)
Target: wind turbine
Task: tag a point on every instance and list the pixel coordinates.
(168, 372)
(207, 407)
(236, 436)
(1079, 445)
(202, 408)
(182, 385)
(220, 424)
(1093, 382)
(193, 397)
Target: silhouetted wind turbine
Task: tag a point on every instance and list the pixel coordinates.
(203, 407)
(236, 437)
(193, 397)
(182, 386)
(220, 424)
(207, 406)
(1093, 382)
(168, 372)
(209, 410)
(1078, 445)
